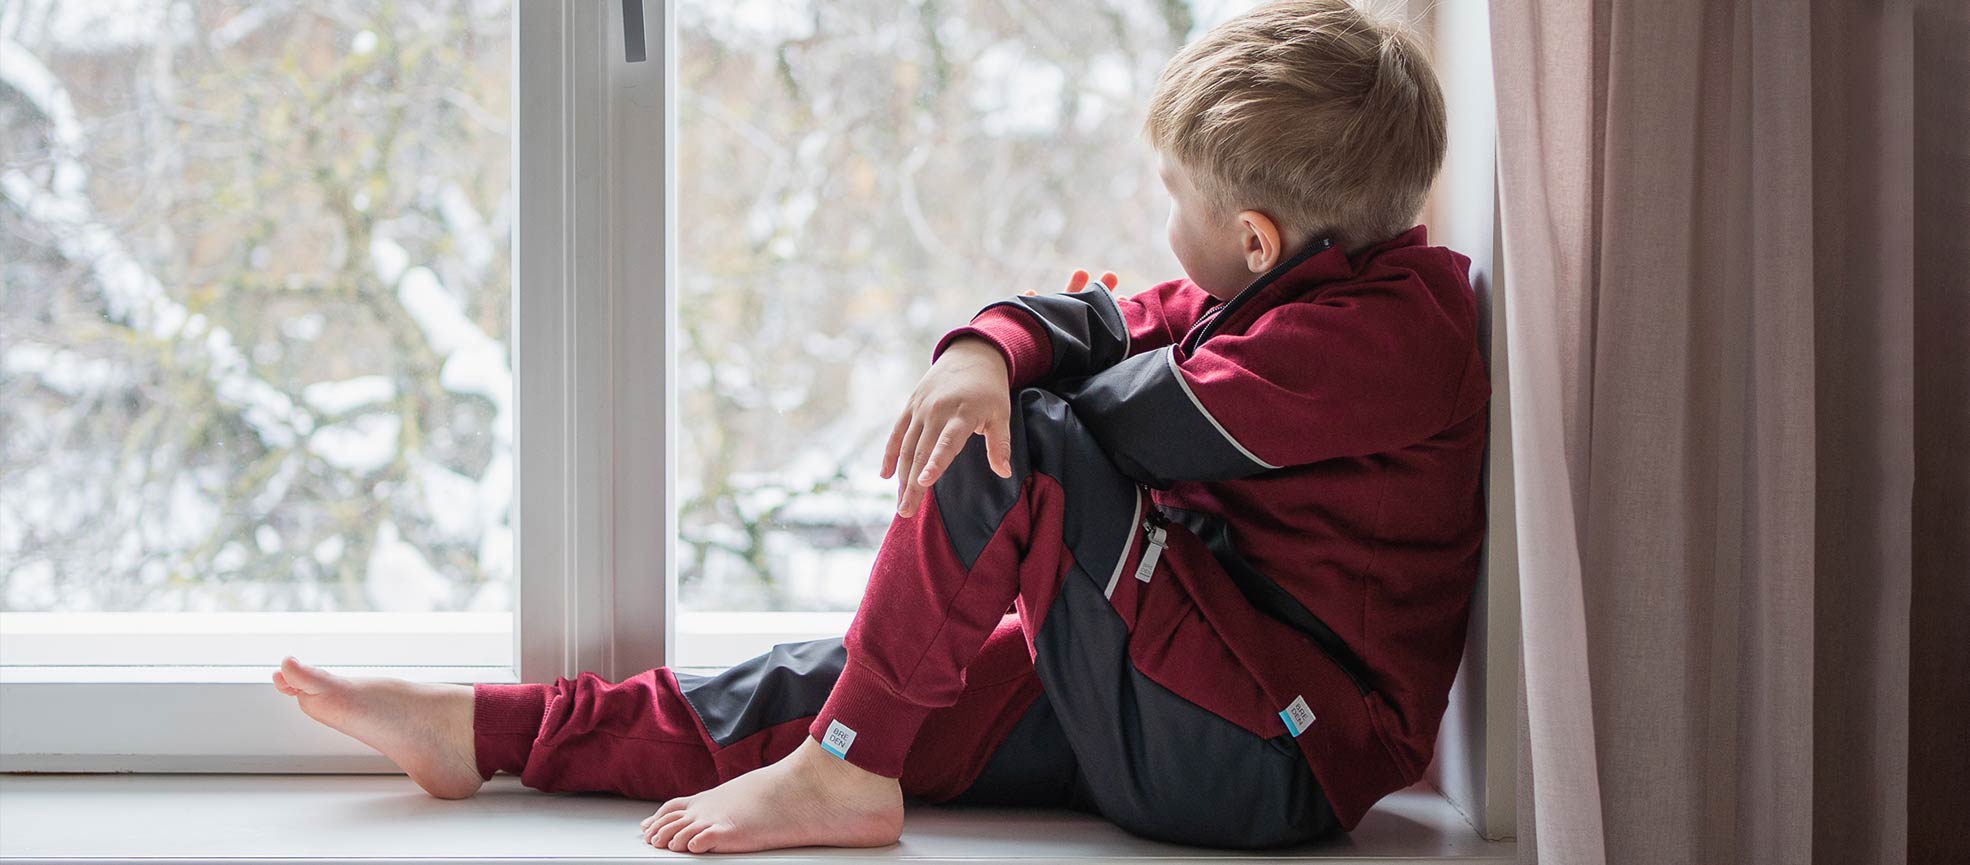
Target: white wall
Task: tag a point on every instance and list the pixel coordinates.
(1476, 764)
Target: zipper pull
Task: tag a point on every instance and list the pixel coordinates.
(1155, 551)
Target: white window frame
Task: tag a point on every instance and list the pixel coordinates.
(586, 305)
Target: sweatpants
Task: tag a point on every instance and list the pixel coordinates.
(989, 662)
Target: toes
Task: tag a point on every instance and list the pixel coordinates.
(652, 829)
(681, 843)
(671, 805)
(704, 840)
(306, 679)
(281, 685)
(666, 828)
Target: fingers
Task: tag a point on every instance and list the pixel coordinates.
(889, 451)
(907, 454)
(948, 442)
(1079, 281)
(998, 446)
(919, 451)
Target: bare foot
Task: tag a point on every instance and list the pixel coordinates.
(426, 729)
(808, 799)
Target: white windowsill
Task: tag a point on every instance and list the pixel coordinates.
(383, 818)
(207, 644)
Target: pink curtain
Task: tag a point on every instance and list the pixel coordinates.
(1737, 294)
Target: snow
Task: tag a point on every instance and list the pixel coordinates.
(399, 578)
(360, 445)
(166, 504)
(347, 395)
(496, 562)
(479, 368)
(306, 327)
(1107, 92)
(450, 499)
(62, 370)
(329, 551)
(1016, 93)
(387, 256)
(466, 227)
(131, 294)
(755, 22)
(31, 586)
(450, 334)
(474, 364)
(100, 26)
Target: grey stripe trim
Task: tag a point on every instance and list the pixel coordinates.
(1128, 544)
(1170, 357)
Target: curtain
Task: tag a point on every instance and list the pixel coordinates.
(1736, 296)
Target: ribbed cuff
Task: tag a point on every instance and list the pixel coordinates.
(1017, 336)
(505, 721)
(866, 723)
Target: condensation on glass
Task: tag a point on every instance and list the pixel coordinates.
(254, 306)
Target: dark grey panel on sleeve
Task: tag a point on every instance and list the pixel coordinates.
(1085, 329)
(1152, 427)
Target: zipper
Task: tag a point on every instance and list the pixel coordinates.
(1184, 342)
(1128, 545)
(1152, 527)
(1267, 595)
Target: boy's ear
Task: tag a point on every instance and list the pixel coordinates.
(1262, 243)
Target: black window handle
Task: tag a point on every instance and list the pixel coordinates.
(632, 31)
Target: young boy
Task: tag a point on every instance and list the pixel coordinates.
(1234, 519)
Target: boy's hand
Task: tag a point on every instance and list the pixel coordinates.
(964, 394)
(1080, 281)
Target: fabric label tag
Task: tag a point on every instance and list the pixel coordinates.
(838, 738)
(1296, 715)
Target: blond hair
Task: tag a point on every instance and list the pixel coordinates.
(1309, 111)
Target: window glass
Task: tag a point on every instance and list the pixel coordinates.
(855, 179)
(254, 306)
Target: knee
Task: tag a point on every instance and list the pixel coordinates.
(1040, 425)
(1042, 410)
(1045, 424)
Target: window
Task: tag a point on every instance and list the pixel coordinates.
(261, 321)
(256, 374)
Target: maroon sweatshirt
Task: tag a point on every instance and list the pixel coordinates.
(1320, 437)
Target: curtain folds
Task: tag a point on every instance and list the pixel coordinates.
(1737, 271)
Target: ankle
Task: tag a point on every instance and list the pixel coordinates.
(810, 755)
